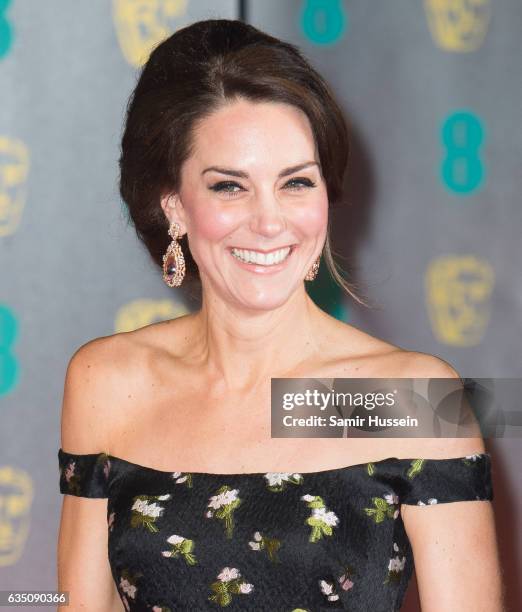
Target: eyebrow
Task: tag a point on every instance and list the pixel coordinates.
(241, 174)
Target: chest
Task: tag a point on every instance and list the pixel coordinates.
(187, 425)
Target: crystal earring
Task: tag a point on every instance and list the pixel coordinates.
(173, 260)
(312, 272)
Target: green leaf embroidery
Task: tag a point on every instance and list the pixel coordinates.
(416, 467)
(145, 510)
(322, 519)
(381, 510)
(222, 505)
(181, 547)
(271, 545)
(370, 468)
(229, 582)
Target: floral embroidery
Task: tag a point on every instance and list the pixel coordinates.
(431, 501)
(370, 468)
(145, 513)
(395, 566)
(321, 520)
(271, 545)
(228, 583)
(104, 458)
(328, 589)
(160, 609)
(277, 480)
(386, 506)
(470, 459)
(72, 478)
(416, 466)
(127, 587)
(222, 505)
(345, 579)
(179, 478)
(181, 546)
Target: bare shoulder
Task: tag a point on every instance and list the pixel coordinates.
(424, 365)
(98, 375)
(109, 380)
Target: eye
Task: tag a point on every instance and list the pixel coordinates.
(224, 186)
(300, 181)
(295, 184)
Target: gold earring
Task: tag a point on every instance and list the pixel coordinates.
(312, 272)
(173, 260)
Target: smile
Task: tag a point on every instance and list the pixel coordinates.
(262, 259)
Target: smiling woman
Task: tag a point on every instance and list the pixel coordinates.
(176, 496)
(189, 97)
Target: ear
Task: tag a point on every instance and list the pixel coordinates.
(173, 209)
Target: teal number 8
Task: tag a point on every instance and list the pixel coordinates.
(323, 21)
(462, 135)
(6, 32)
(9, 368)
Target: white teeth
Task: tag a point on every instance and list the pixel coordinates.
(261, 258)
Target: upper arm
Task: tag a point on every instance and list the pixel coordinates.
(456, 557)
(454, 544)
(83, 565)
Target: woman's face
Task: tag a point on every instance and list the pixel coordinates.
(253, 183)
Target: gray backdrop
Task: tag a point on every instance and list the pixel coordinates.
(431, 228)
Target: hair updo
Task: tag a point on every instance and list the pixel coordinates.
(187, 77)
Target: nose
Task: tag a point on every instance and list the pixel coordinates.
(268, 217)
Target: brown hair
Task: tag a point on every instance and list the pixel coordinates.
(188, 76)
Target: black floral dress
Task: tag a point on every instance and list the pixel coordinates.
(275, 542)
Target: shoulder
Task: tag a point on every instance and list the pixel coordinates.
(424, 365)
(99, 374)
(109, 380)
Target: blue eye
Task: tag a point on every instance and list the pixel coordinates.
(294, 184)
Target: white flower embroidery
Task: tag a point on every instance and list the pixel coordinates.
(128, 588)
(277, 478)
(328, 590)
(163, 497)
(473, 457)
(328, 517)
(245, 587)
(175, 539)
(431, 501)
(396, 564)
(228, 573)
(308, 498)
(391, 498)
(223, 499)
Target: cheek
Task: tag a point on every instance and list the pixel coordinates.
(212, 222)
(313, 217)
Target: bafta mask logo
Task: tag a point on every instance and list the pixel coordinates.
(142, 24)
(458, 25)
(16, 498)
(458, 295)
(140, 313)
(14, 168)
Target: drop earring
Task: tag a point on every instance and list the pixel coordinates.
(312, 272)
(173, 260)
